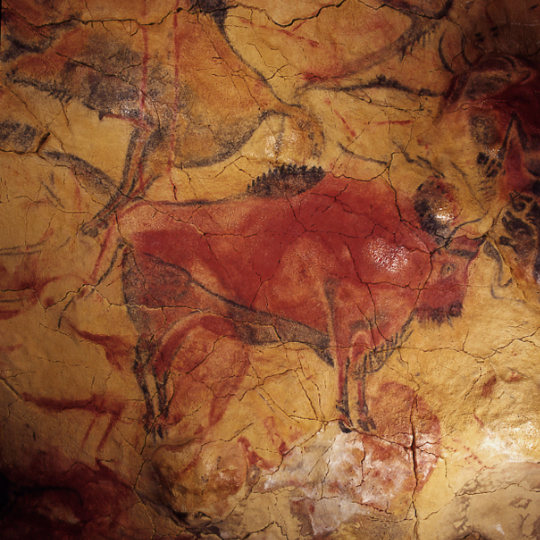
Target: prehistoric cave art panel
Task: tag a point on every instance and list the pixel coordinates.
(337, 266)
(238, 253)
(340, 265)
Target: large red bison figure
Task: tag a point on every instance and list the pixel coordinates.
(335, 263)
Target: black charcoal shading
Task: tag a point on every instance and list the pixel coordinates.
(287, 180)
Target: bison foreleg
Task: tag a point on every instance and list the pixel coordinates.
(345, 423)
(364, 421)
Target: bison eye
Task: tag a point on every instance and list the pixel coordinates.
(447, 269)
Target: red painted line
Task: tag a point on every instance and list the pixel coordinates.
(142, 102)
(349, 129)
(176, 97)
(398, 122)
(104, 248)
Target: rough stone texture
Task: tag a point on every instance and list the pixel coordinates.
(270, 270)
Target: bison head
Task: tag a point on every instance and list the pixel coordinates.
(483, 158)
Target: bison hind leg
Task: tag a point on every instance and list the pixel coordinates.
(142, 356)
(345, 424)
(342, 405)
(366, 424)
(364, 421)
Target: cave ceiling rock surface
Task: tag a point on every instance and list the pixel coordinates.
(270, 270)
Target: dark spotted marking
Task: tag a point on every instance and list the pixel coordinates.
(17, 137)
(484, 130)
(516, 226)
(482, 158)
(217, 9)
(522, 225)
(520, 203)
(441, 315)
(479, 37)
(533, 215)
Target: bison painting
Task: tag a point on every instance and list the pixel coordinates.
(304, 256)
(336, 263)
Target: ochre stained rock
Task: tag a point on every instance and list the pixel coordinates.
(270, 270)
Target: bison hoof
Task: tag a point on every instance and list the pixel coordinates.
(366, 424)
(344, 427)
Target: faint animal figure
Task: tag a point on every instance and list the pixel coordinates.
(495, 106)
(304, 256)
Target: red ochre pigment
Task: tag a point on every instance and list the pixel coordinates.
(341, 259)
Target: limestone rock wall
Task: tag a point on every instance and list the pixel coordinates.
(270, 270)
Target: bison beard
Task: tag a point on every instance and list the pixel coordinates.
(303, 257)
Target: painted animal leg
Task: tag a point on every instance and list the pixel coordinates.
(352, 310)
(345, 423)
(364, 420)
(198, 367)
(142, 356)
